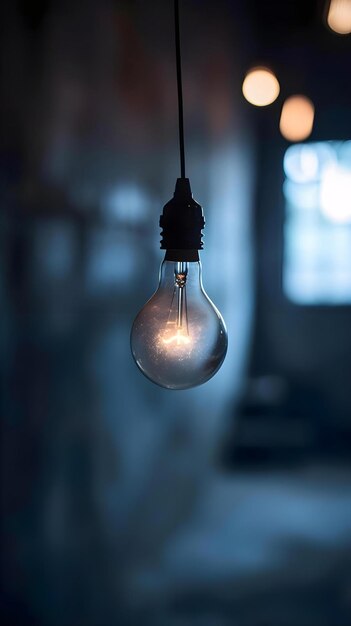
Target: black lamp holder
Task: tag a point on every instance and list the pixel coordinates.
(182, 219)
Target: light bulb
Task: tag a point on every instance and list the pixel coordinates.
(179, 338)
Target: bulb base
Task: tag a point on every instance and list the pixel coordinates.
(182, 255)
(182, 221)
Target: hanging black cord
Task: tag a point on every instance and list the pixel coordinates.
(180, 89)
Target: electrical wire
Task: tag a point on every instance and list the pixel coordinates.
(179, 89)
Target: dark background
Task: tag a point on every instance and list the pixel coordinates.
(123, 503)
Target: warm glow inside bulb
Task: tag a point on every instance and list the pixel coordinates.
(339, 16)
(177, 338)
(296, 120)
(260, 87)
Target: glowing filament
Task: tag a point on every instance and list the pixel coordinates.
(176, 332)
(179, 339)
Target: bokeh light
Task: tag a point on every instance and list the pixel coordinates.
(261, 87)
(339, 16)
(317, 228)
(305, 163)
(335, 195)
(296, 120)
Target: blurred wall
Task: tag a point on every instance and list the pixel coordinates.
(99, 465)
(308, 346)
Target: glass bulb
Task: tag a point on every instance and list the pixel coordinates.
(179, 338)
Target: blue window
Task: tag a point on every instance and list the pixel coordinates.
(317, 231)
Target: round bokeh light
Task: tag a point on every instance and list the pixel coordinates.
(260, 87)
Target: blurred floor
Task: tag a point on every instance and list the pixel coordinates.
(270, 548)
